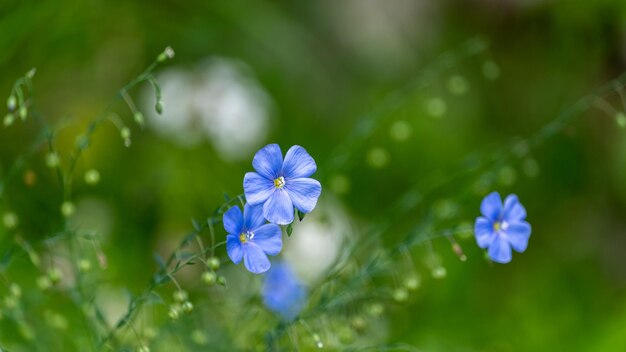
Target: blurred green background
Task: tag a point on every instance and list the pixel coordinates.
(249, 73)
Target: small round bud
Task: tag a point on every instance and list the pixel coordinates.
(11, 103)
(174, 312)
(375, 309)
(16, 290)
(159, 107)
(209, 277)
(221, 281)
(214, 263)
(187, 307)
(10, 220)
(52, 160)
(199, 337)
(10, 302)
(67, 209)
(620, 118)
(44, 283)
(168, 53)
(125, 133)
(439, 272)
(138, 116)
(412, 282)
(400, 294)
(22, 113)
(180, 296)
(318, 341)
(84, 265)
(92, 177)
(30, 74)
(55, 275)
(9, 119)
(359, 323)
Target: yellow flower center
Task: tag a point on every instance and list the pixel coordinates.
(279, 182)
(497, 226)
(246, 236)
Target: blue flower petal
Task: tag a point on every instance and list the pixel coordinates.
(283, 293)
(513, 209)
(254, 259)
(517, 233)
(268, 161)
(278, 209)
(253, 216)
(491, 207)
(304, 193)
(233, 248)
(270, 238)
(500, 250)
(298, 163)
(233, 220)
(483, 230)
(256, 188)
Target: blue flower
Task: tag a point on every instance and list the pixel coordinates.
(250, 238)
(283, 293)
(282, 185)
(502, 227)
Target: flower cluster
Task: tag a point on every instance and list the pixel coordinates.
(272, 192)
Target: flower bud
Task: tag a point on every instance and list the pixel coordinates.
(400, 294)
(11, 103)
(159, 107)
(168, 53)
(92, 177)
(174, 312)
(209, 277)
(187, 307)
(9, 119)
(44, 283)
(55, 275)
(138, 117)
(22, 113)
(67, 209)
(84, 265)
(620, 118)
(180, 296)
(214, 263)
(52, 160)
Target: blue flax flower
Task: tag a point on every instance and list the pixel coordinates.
(283, 293)
(282, 185)
(502, 227)
(250, 238)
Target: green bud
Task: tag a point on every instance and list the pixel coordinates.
(209, 277)
(125, 133)
(620, 118)
(439, 272)
(214, 263)
(52, 160)
(412, 282)
(92, 177)
(11, 103)
(138, 116)
(174, 312)
(67, 209)
(9, 119)
(10, 220)
(221, 281)
(23, 112)
(400, 294)
(84, 265)
(15, 290)
(187, 307)
(180, 296)
(44, 283)
(168, 53)
(159, 107)
(55, 275)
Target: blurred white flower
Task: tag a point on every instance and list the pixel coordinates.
(316, 242)
(219, 100)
